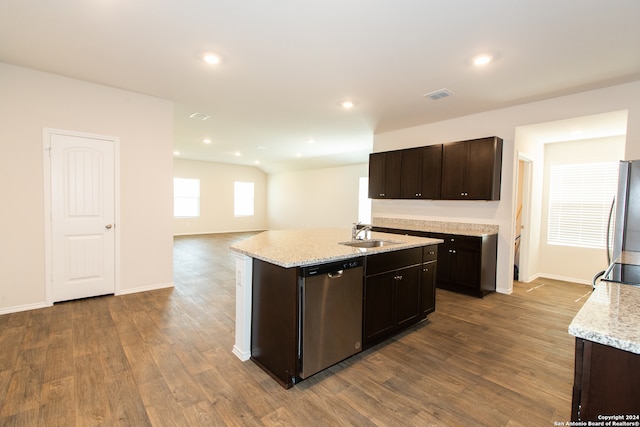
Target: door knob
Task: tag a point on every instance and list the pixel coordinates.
(108, 226)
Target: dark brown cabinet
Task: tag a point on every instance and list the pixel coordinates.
(274, 321)
(606, 382)
(465, 170)
(421, 172)
(384, 175)
(466, 264)
(428, 281)
(396, 290)
(471, 170)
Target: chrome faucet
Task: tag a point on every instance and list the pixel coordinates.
(359, 228)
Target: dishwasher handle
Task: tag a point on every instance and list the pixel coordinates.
(335, 274)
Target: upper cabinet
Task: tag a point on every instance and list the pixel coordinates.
(384, 175)
(471, 170)
(421, 172)
(465, 170)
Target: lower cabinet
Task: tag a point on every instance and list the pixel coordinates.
(466, 264)
(606, 382)
(399, 291)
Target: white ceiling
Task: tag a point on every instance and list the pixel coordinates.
(287, 64)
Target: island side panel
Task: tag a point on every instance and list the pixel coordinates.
(274, 321)
(244, 272)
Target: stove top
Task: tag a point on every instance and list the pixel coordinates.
(628, 274)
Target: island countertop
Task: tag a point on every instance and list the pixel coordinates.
(303, 247)
(611, 317)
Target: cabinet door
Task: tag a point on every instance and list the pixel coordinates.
(392, 174)
(481, 168)
(407, 304)
(376, 175)
(431, 172)
(606, 381)
(378, 306)
(454, 169)
(445, 255)
(428, 288)
(411, 177)
(384, 175)
(465, 268)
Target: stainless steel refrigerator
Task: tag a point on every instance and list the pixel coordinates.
(625, 261)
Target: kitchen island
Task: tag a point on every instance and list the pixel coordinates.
(607, 360)
(397, 284)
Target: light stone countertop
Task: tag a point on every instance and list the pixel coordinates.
(444, 227)
(611, 316)
(303, 247)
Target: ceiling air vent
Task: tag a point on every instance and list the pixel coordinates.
(438, 94)
(199, 116)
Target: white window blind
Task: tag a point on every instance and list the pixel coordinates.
(186, 198)
(580, 198)
(243, 199)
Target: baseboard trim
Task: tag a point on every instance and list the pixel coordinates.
(242, 355)
(26, 307)
(218, 232)
(145, 288)
(563, 279)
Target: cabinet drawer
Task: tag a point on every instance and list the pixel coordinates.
(389, 261)
(463, 242)
(430, 253)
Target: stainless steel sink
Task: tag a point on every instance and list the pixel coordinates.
(369, 243)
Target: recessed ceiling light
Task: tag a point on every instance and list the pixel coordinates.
(211, 58)
(237, 154)
(347, 104)
(310, 141)
(176, 153)
(199, 116)
(482, 59)
(298, 154)
(206, 141)
(257, 162)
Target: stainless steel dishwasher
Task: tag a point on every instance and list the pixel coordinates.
(330, 325)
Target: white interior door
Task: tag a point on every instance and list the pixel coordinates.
(82, 216)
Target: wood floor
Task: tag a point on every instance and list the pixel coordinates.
(163, 358)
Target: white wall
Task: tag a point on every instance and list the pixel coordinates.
(216, 197)
(33, 100)
(315, 198)
(565, 262)
(503, 123)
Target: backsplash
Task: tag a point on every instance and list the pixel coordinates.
(436, 226)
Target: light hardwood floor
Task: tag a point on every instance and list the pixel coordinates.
(164, 358)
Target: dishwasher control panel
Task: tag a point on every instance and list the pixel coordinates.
(330, 267)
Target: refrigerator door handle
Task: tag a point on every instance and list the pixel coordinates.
(613, 203)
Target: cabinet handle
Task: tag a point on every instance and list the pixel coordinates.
(453, 251)
(398, 277)
(425, 269)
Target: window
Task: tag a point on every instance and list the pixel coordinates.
(243, 196)
(186, 198)
(580, 198)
